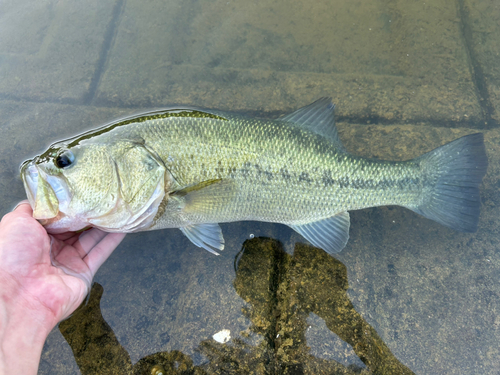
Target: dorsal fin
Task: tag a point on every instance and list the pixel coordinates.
(319, 118)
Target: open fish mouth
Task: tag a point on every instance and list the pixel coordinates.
(48, 195)
(49, 198)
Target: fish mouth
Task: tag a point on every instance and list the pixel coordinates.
(48, 195)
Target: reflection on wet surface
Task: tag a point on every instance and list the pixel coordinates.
(281, 291)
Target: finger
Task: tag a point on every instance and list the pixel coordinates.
(24, 207)
(89, 239)
(71, 237)
(103, 250)
(66, 236)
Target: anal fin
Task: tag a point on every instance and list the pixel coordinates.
(329, 234)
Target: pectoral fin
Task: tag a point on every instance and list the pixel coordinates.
(330, 234)
(206, 197)
(207, 236)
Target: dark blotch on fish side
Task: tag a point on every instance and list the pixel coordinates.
(327, 178)
(285, 174)
(305, 177)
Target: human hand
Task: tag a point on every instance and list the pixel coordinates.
(43, 279)
(57, 280)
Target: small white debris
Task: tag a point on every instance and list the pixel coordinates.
(222, 336)
(251, 235)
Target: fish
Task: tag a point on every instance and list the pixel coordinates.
(192, 168)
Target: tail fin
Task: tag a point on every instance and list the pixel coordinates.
(454, 172)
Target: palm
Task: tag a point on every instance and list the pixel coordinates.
(56, 285)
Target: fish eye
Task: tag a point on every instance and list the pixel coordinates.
(64, 160)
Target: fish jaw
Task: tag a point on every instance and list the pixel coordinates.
(62, 224)
(49, 197)
(42, 197)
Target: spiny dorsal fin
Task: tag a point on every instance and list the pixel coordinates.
(319, 118)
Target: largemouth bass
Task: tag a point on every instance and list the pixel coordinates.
(193, 168)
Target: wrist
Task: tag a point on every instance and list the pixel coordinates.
(23, 331)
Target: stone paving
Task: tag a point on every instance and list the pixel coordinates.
(406, 77)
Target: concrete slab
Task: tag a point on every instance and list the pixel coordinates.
(484, 18)
(380, 61)
(49, 51)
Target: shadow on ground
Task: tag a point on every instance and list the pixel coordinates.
(281, 292)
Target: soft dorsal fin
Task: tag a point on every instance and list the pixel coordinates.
(319, 118)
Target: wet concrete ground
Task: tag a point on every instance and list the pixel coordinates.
(406, 78)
